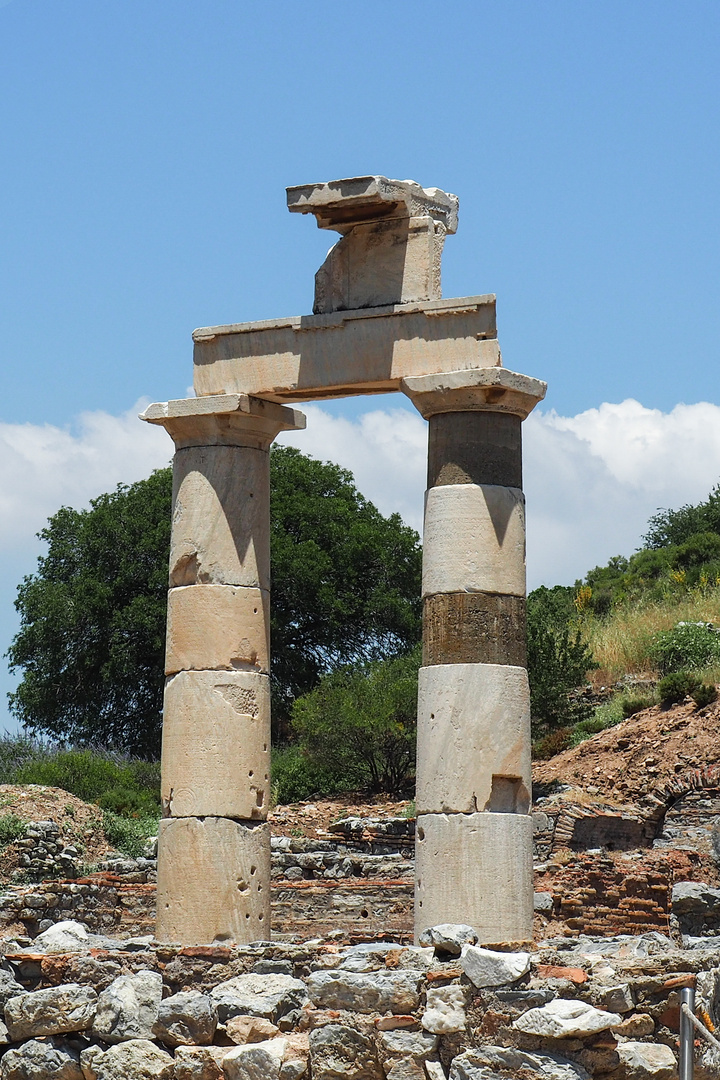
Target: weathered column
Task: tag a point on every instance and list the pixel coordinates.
(214, 842)
(474, 829)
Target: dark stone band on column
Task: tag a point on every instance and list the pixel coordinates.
(475, 448)
(474, 628)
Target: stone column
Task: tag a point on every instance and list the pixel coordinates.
(474, 829)
(214, 843)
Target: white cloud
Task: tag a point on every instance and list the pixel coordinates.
(592, 480)
(45, 467)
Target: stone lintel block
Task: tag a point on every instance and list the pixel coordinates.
(221, 517)
(226, 419)
(475, 448)
(369, 350)
(213, 881)
(491, 389)
(216, 745)
(216, 627)
(474, 628)
(343, 204)
(473, 739)
(475, 869)
(474, 540)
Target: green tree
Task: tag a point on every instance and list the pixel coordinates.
(92, 633)
(676, 526)
(358, 725)
(345, 579)
(346, 588)
(558, 660)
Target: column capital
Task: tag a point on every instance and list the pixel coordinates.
(223, 420)
(492, 389)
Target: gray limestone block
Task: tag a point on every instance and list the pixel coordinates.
(53, 1011)
(416, 1046)
(566, 1019)
(186, 1019)
(268, 996)
(9, 987)
(128, 1008)
(137, 1058)
(36, 1060)
(543, 901)
(695, 897)
(338, 1052)
(505, 1063)
(448, 937)
(365, 992)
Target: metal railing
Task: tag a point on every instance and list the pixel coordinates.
(689, 1023)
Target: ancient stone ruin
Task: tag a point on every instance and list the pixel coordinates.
(379, 324)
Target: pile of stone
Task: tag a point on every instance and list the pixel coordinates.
(304, 859)
(80, 1007)
(43, 853)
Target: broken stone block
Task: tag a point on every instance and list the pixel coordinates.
(337, 1051)
(250, 1029)
(381, 991)
(36, 1060)
(500, 1062)
(266, 996)
(128, 1008)
(487, 968)
(186, 1019)
(138, 1058)
(445, 1010)
(391, 248)
(647, 1061)
(199, 1062)
(448, 937)
(566, 1019)
(54, 1011)
(254, 1060)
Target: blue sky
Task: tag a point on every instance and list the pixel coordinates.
(147, 145)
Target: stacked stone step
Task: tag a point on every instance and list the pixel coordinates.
(474, 828)
(214, 841)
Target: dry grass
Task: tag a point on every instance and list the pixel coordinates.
(621, 643)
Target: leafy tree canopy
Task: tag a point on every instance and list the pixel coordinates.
(346, 587)
(359, 724)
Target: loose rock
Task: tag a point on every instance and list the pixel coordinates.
(53, 1011)
(487, 968)
(449, 937)
(186, 1019)
(445, 1012)
(269, 996)
(129, 1007)
(341, 1053)
(647, 1061)
(565, 1019)
(36, 1060)
(137, 1058)
(382, 991)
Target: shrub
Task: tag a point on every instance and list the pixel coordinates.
(676, 687)
(704, 694)
(558, 660)
(553, 743)
(121, 785)
(11, 828)
(358, 725)
(294, 777)
(633, 705)
(129, 835)
(688, 645)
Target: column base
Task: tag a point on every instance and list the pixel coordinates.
(213, 881)
(475, 869)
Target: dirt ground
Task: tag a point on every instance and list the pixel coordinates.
(312, 819)
(639, 754)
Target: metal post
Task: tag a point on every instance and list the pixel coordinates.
(687, 1035)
